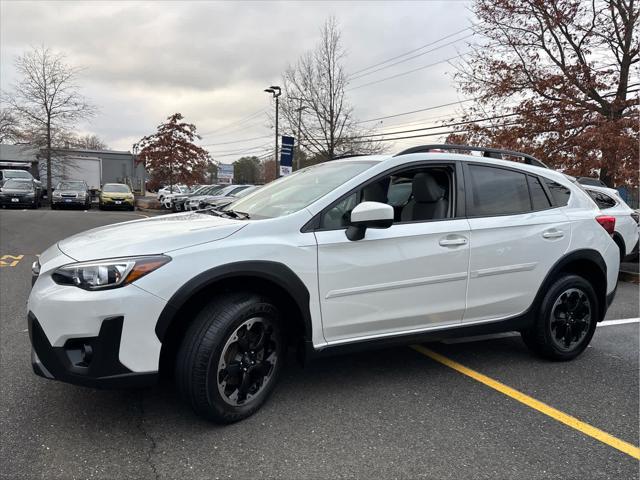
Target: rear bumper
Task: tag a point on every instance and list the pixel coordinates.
(90, 361)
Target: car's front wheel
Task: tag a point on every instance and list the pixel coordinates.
(565, 321)
(230, 357)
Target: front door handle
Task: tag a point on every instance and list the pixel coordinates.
(452, 241)
(553, 234)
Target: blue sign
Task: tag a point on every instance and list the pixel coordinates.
(225, 173)
(286, 155)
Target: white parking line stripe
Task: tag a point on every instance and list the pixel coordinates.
(622, 321)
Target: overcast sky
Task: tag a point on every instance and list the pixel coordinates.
(211, 60)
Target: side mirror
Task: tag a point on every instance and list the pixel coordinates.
(369, 215)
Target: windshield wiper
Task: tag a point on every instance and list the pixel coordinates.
(237, 214)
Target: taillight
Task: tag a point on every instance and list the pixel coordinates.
(607, 222)
(636, 217)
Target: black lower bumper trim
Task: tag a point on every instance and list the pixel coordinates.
(100, 369)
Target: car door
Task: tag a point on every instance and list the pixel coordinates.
(516, 237)
(410, 276)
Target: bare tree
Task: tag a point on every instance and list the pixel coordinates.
(47, 98)
(314, 105)
(9, 127)
(89, 142)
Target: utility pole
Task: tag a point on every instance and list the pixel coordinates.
(276, 92)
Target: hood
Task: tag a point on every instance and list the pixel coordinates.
(149, 236)
(16, 191)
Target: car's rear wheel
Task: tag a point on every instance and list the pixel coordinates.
(230, 357)
(565, 321)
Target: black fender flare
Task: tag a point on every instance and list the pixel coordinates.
(620, 242)
(274, 272)
(585, 254)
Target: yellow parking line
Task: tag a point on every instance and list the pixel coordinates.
(561, 417)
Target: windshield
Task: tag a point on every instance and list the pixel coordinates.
(71, 186)
(17, 174)
(298, 190)
(115, 188)
(245, 191)
(18, 185)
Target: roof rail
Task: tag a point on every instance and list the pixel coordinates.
(486, 152)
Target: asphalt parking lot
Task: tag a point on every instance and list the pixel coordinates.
(390, 414)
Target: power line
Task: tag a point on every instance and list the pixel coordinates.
(236, 141)
(408, 72)
(465, 122)
(410, 51)
(419, 110)
(411, 57)
(242, 120)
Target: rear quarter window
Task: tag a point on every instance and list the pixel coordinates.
(559, 193)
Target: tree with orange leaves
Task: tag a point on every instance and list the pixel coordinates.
(563, 70)
(170, 156)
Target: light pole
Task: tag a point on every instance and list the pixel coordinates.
(299, 110)
(275, 91)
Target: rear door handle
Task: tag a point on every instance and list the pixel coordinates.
(452, 241)
(553, 234)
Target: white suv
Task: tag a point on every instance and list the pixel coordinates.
(627, 219)
(364, 251)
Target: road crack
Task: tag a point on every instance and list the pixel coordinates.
(148, 437)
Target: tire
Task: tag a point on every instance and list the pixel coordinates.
(214, 342)
(553, 339)
(53, 206)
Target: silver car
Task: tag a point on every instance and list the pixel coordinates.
(71, 193)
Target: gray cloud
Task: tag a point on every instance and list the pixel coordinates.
(211, 60)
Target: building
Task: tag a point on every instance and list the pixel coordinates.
(96, 167)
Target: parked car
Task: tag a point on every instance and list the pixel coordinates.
(323, 261)
(8, 173)
(116, 195)
(219, 202)
(174, 189)
(179, 201)
(627, 220)
(71, 193)
(19, 192)
(198, 201)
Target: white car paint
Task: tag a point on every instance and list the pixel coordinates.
(626, 226)
(410, 277)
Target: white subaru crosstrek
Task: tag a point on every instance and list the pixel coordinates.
(364, 251)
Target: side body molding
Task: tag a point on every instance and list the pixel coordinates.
(275, 272)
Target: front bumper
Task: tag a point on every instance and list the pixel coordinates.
(117, 202)
(22, 201)
(69, 201)
(88, 361)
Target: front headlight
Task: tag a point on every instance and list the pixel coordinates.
(82, 194)
(104, 274)
(57, 193)
(30, 194)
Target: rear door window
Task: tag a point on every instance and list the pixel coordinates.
(539, 198)
(497, 191)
